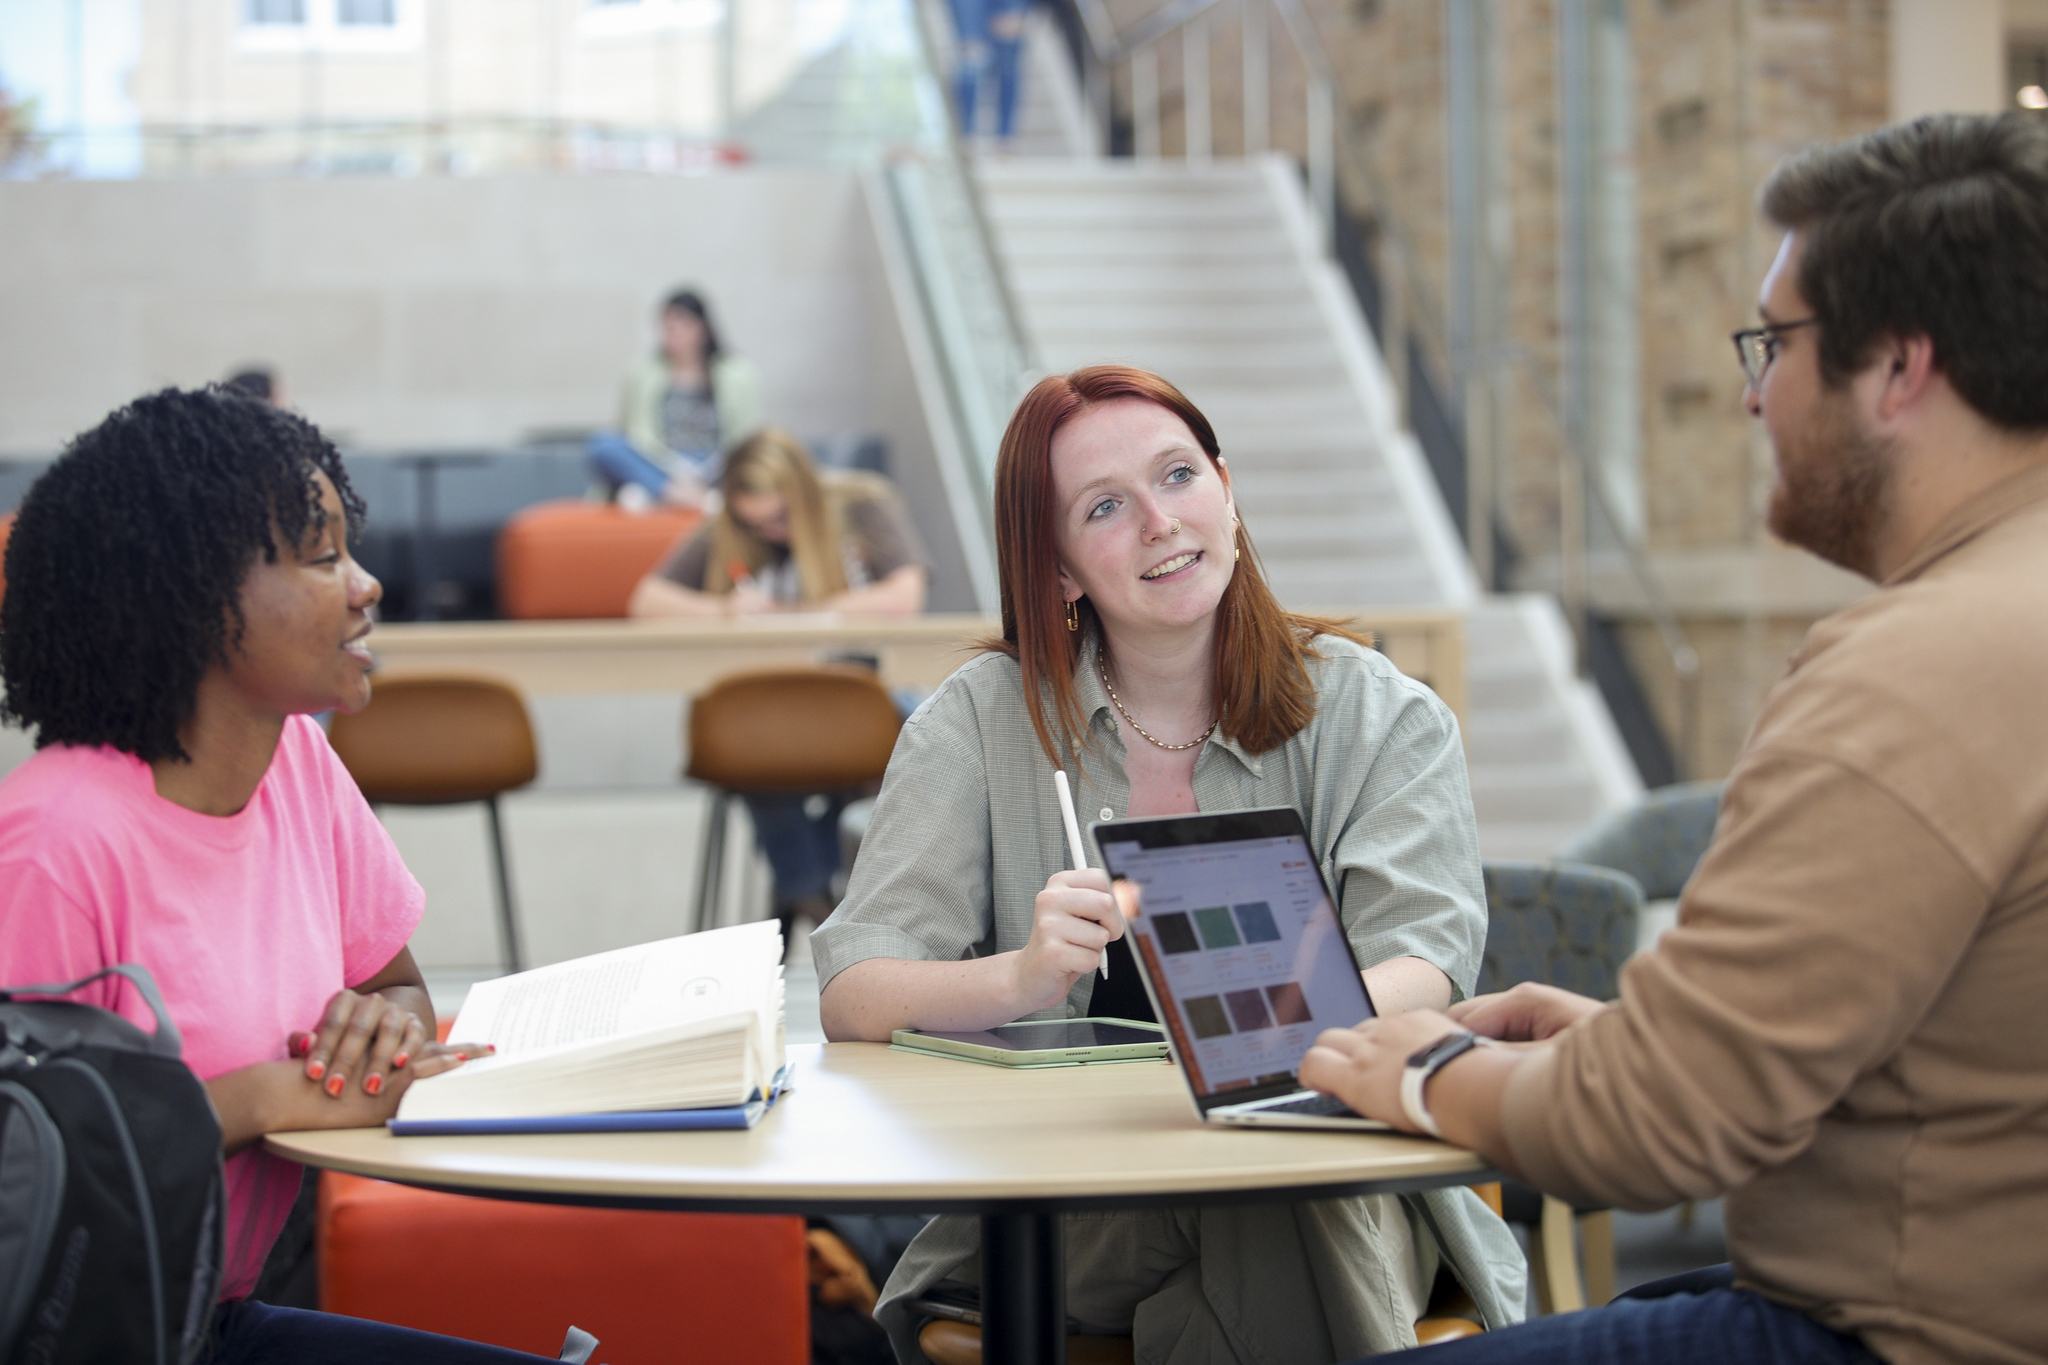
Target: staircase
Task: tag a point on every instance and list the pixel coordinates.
(1210, 275)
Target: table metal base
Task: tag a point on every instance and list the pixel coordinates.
(1023, 1290)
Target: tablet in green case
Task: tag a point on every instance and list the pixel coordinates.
(1042, 1042)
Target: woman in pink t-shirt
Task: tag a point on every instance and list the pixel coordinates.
(180, 601)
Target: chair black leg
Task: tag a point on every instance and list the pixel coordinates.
(508, 913)
(713, 852)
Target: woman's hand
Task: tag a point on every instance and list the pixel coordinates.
(1529, 1012)
(365, 1037)
(1072, 920)
(273, 1097)
(747, 598)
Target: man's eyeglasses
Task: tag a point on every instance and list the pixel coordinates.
(1757, 347)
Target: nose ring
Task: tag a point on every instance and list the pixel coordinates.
(1175, 528)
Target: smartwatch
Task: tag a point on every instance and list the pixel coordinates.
(1423, 1065)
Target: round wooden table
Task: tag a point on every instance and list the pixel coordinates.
(868, 1129)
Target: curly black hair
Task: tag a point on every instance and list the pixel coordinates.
(125, 569)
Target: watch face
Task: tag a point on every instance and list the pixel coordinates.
(1443, 1049)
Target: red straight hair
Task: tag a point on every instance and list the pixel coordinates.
(1263, 691)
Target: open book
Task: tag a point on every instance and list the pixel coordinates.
(683, 1033)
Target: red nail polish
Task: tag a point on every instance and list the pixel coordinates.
(315, 1070)
(375, 1085)
(401, 1059)
(300, 1045)
(336, 1084)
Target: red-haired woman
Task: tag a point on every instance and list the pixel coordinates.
(1143, 653)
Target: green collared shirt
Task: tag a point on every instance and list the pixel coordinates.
(967, 828)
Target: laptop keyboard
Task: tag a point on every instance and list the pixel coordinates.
(1324, 1106)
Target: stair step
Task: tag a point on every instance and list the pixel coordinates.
(1144, 280)
(1194, 273)
(1536, 736)
(1191, 372)
(1107, 178)
(1344, 587)
(1083, 216)
(1533, 841)
(1115, 327)
(1358, 486)
(1535, 792)
(1286, 542)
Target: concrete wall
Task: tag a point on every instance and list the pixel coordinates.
(1948, 56)
(424, 311)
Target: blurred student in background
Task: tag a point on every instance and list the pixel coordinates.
(787, 537)
(680, 407)
(990, 38)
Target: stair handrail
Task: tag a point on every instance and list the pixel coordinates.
(1329, 152)
(1109, 49)
(977, 205)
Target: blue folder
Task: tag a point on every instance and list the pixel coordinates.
(628, 1121)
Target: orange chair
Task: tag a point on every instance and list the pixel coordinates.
(571, 559)
(648, 1286)
(652, 1287)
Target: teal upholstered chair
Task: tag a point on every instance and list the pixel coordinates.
(1568, 925)
(1658, 841)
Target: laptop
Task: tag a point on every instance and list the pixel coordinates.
(1243, 956)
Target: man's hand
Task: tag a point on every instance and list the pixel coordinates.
(1528, 1013)
(1362, 1066)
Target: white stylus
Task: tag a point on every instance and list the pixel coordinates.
(1075, 851)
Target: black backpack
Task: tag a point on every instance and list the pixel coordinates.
(110, 1184)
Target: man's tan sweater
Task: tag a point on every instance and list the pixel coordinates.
(1848, 1030)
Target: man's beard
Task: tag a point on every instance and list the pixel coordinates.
(1832, 489)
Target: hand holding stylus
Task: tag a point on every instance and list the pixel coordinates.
(1077, 852)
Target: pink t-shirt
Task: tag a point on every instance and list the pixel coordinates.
(250, 922)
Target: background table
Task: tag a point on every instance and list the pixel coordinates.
(869, 1129)
(685, 656)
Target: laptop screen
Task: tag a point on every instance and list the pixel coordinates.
(1240, 944)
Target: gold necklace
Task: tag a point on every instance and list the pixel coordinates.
(1116, 701)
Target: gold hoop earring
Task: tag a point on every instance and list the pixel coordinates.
(1074, 615)
(1236, 549)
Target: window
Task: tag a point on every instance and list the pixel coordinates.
(271, 13)
(368, 26)
(366, 13)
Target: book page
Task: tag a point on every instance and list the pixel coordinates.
(628, 990)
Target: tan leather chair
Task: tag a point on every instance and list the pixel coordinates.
(815, 728)
(1451, 1315)
(444, 740)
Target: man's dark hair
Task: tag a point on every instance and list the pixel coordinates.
(1935, 228)
(125, 569)
(257, 381)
